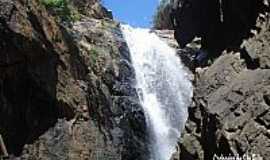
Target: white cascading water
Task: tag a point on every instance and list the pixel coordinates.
(163, 86)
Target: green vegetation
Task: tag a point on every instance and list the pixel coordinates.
(161, 19)
(54, 3)
(94, 55)
(63, 9)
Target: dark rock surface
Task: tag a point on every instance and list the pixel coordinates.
(67, 92)
(230, 113)
(221, 24)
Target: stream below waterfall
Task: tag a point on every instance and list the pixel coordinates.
(163, 87)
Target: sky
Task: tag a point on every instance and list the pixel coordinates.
(137, 13)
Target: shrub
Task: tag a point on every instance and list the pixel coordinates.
(94, 55)
(62, 9)
(55, 3)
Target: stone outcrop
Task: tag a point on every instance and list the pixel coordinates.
(231, 110)
(92, 8)
(161, 18)
(66, 92)
(168, 36)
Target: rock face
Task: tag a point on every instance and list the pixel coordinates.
(161, 18)
(167, 36)
(230, 112)
(231, 109)
(221, 24)
(67, 92)
(92, 8)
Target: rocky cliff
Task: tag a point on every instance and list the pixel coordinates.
(66, 87)
(231, 110)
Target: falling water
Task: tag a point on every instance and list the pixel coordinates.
(163, 87)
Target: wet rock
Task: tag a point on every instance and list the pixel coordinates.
(167, 36)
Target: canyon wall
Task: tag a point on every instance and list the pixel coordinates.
(66, 87)
(231, 110)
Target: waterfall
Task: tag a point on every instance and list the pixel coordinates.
(163, 87)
